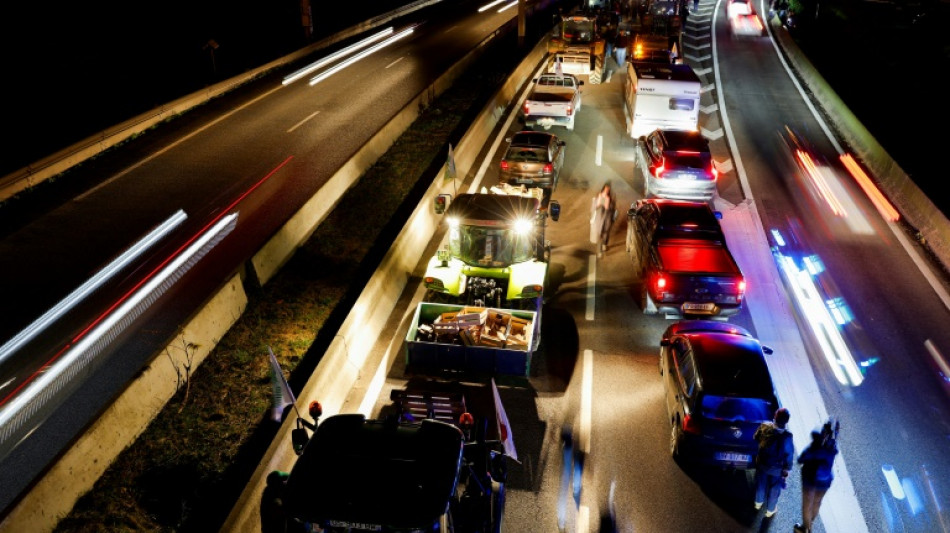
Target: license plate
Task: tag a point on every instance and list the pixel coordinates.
(705, 307)
(732, 457)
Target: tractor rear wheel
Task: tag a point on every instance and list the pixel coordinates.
(598, 72)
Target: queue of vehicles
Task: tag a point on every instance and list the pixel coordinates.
(481, 315)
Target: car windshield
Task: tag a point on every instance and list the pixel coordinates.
(735, 409)
(490, 247)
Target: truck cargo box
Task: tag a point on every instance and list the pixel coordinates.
(502, 343)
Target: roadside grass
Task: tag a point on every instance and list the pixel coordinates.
(188, 468)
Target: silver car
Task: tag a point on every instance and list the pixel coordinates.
(676, 164)
(533, 159)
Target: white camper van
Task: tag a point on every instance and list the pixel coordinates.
(660, 96)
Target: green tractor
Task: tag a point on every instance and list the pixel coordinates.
(495, 254)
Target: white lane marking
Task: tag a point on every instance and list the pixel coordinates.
(587, 387)
(599, 158)
(591, 286)
(396, 61)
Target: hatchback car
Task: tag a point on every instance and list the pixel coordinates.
(677, 164)
(718, 390)
(533, 159)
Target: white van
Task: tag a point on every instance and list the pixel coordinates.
(660, 96)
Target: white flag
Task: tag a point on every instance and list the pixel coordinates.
(450, 173)
(504, 428)
(282, 395)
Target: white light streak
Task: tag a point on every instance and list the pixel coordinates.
(824, 327)
(45, 380)
(486, 7)
(893, 482)
(93, 283)
(337, 55)
(512, 4)
(340, 66)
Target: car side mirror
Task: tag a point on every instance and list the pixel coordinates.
(441, 203)
(631, 213)
(554, 208)
(767, 350)
(562, 143)
(664, 342)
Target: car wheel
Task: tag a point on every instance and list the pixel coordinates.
(676, 440)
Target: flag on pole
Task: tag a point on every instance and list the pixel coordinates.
(283, 397)
(450, 173)
(504, 428)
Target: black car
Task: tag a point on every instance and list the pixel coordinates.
(718, 390)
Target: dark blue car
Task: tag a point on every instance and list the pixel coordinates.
(718, 390)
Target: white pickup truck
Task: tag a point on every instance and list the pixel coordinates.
(554, 100)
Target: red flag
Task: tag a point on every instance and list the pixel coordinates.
(283, 397)
(504, 428)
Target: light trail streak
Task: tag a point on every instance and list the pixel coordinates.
(91, 285)
(340, 66)
(488, 6)
(884, 207)
(337, 55)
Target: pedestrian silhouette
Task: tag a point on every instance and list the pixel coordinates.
(817, 461)
(773, 461)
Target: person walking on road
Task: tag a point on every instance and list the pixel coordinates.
(817, 462)
(773, 461)
(603, 211)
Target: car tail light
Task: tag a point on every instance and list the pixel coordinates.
(549, 168)
(713, 171)
(570, 110)
(741, 289)
(691, 425)
(504, 165)
(660, 168)
(527, 109)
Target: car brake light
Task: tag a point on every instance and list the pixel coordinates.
(690, 425)
(660, 282)
(527, 109)
(570, 110)
(659, 169)
(548, 168)
(741, 289)
(714, 172)
(504, 165)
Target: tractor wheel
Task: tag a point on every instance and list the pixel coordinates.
(598, 72)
